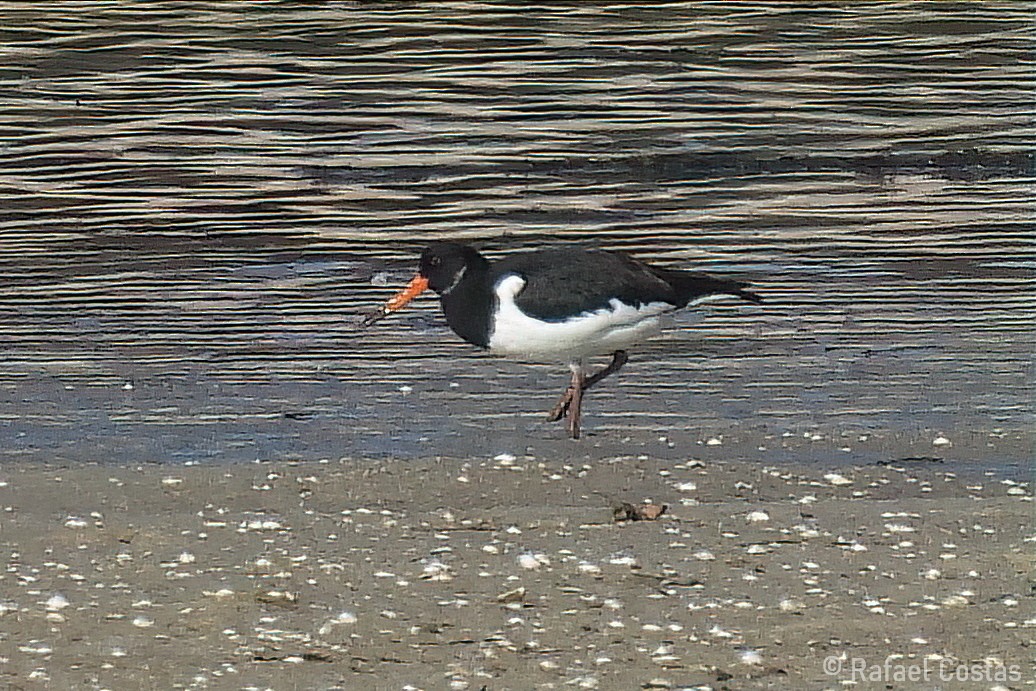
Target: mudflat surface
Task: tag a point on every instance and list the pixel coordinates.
(512, 573)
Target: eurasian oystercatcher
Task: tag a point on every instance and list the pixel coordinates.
(551, 305)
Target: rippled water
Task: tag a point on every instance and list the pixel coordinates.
(196, 198)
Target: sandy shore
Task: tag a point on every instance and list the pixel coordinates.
(512, 573)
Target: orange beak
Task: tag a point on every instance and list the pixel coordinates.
(418, 284)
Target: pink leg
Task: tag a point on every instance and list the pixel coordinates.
(576, 404)
(579, 384)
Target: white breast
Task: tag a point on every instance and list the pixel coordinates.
(598, 332)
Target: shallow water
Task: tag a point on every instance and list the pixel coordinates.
(199, 198)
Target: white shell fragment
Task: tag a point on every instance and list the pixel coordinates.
(343, 618)
(589, 568)
(436, 570)
(221, 594)
(533, 560)
(260, 523)
(514, 595)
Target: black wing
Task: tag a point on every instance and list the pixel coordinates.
(561, 283)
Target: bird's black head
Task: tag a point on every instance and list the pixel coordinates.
(444, 264)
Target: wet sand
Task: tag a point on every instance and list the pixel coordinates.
(513, 573)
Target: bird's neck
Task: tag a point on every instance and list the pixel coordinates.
(468, 306)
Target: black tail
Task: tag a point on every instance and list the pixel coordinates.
(690, 286)
(746, 294)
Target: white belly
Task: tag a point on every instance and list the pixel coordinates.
(600, 332)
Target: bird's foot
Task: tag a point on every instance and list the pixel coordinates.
(568, 406)
(560, 409)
